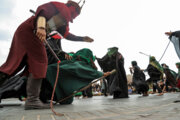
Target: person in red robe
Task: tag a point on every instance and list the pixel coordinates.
(28, 50)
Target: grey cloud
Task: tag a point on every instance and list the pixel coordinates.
(4, 35)
(6, 7)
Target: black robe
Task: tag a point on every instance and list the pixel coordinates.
(117, 83)
(139, 81)
(14, 87)
(154, 73)
(56, 46)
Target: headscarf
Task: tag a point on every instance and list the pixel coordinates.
(74, 9)
(178, 63)
(155, 63)
(64, 10)
(134, 63)
(70, 10)
(164, 66)
(112, 51)
(86, 55)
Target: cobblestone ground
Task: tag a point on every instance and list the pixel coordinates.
(101, 108)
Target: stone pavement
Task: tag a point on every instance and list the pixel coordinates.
(135, 107)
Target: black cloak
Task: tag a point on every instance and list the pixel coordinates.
(139, 81)
(117, 83)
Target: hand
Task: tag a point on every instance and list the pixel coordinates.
(68, 57)
(88, 39)
(41, 34)
(130, 68)
(106, 74)
(168, 33)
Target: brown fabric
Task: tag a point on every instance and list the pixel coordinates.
(26, 49)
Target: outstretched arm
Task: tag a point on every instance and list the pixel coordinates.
(78, 38)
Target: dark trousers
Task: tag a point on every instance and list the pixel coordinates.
(156, 86)
(105, 90)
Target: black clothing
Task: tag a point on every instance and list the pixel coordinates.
(117, 83)
(170, 77)
(139, 81)
(56, 46)
(155, 76)
(87, 92)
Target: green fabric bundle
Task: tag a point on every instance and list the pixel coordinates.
(73, 74)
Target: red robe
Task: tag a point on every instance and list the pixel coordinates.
(26, 49)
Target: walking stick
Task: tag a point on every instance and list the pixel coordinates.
(145, 54)
(84, 88)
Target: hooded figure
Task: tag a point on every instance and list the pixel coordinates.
(28, 50)
(74, 74)
(170, 77)
(155, 72)
(117, 83)
(139, 79)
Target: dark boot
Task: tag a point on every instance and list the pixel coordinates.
(3, 78)
(33, 90)
(1, 106)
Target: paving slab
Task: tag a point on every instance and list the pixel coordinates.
(135, 107)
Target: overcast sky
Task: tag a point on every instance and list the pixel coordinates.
(131, 25)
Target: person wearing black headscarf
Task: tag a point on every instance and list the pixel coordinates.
(139, 79)
(170, 77)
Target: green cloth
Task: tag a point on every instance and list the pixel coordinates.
(112, 51)
(178, 63)
(78, 94)
(73, 74)
(155, 63)
(173, 73)
(85, 55)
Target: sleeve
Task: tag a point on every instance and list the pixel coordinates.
(149, 70)
(176, 34)
(74, 37)
(70, 36)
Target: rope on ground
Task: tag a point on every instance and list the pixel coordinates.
(51, 104)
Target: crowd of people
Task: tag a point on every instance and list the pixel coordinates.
(30, 69)
(161, 78)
